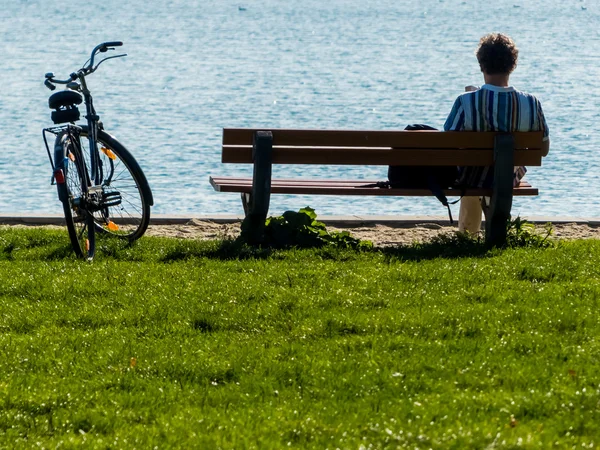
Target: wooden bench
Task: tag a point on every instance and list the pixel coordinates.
(263, 148)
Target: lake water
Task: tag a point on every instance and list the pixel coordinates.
(195, 67)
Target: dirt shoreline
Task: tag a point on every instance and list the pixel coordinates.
(380, 235)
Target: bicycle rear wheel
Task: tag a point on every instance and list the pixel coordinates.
(126, 196)
(73, 193)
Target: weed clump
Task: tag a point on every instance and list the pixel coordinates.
(302, 230)
(522, 233)
(519, 234)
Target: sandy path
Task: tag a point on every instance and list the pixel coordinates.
(380, 235)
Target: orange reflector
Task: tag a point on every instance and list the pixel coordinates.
(71, 156)
(87, 245)
(108, 152)
(59, 176)
(112, 226)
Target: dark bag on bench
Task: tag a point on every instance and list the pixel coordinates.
(424, 177)
(434, 178)
(437, 177)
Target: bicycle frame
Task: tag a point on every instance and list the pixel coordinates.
(92, 120)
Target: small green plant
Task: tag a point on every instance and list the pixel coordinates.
(521, 233)
(302, 229)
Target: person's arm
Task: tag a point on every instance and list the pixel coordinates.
(456, 118)
(546, 139)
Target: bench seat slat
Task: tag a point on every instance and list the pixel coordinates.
(380, 156)
(346, 187)
(309, 182)
(397, 139)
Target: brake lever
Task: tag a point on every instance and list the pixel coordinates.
(106, 59)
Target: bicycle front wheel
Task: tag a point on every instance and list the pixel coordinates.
(73, 193)
(126, 196)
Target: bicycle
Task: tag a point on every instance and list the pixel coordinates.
(100, 184)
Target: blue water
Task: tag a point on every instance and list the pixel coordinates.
(196, 67)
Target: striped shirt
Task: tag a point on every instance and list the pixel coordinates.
(494, 108)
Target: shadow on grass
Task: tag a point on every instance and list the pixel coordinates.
(167, 250)
(47, 245)
(449, 246)
(456, 245)
(220, 250)
(33, 244)
(520, 234)
(444, 246)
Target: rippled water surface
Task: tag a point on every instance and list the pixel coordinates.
(196, 67)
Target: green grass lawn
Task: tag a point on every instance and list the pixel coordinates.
(186, 344)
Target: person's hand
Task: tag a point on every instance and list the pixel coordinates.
(471, 88)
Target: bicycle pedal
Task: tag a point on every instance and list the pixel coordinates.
(111, 199)
(110, 194)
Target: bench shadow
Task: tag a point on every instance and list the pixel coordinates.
(443, 246)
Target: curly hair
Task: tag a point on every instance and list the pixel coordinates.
(497, 54)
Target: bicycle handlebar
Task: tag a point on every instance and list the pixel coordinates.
(113, 44)
(86, 70)
(102, 48)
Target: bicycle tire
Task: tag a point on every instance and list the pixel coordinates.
(123, 179)
(72, 193)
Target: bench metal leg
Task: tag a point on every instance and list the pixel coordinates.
(256, 204)
(497, 214)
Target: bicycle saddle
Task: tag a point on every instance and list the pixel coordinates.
(64, 99)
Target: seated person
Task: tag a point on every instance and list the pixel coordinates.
(496, 106)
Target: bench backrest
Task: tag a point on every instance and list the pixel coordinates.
(408, 148)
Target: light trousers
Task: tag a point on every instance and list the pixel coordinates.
(469, 216)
